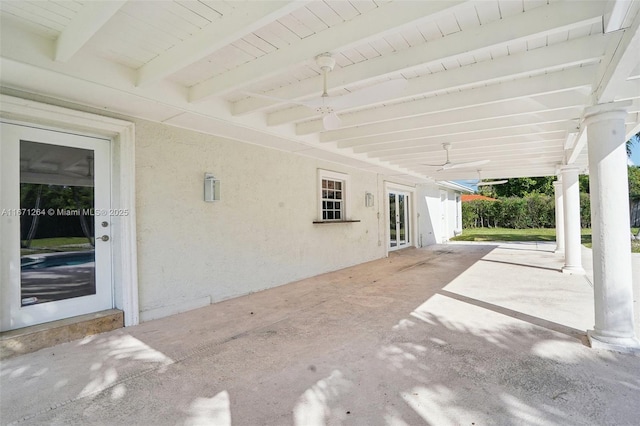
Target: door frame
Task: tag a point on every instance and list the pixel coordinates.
(444, 218)
(16, 110)
(411, 192)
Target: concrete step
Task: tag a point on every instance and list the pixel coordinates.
(34, 338)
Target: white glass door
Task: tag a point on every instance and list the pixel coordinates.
(55, 259)
(399, 220)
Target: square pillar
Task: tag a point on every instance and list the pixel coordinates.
(612, 276)
(571, 214)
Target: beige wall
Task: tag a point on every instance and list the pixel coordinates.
(259, 235)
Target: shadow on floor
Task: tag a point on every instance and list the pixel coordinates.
(380, 343)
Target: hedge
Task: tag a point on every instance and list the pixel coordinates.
(533, 211)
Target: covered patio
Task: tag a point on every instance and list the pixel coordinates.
(235, 147)
(450, 334)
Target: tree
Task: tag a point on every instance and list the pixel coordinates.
(631, 142)
(522, 187)
(634, 183)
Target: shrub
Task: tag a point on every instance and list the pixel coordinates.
(585, 210)
(532, 211)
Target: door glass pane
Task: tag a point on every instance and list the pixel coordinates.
(57, 223)
(393, 242)
(402, 218)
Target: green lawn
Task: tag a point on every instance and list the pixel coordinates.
(534, 234)
(44, 245)
(53, 242)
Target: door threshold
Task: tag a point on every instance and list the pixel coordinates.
(36, 337)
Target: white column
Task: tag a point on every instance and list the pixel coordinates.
(571, 213)
(608, 185)
(557, 186)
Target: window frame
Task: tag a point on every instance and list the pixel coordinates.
(346, 189)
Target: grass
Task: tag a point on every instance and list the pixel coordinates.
(44, 245)
(53, 242)
(532, 234)
(508, 234)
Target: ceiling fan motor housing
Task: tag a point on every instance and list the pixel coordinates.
(325, 61)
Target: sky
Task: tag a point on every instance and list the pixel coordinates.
(635, 154)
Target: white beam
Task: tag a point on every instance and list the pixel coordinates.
(632, 106)
(539, 22)
(363, 28)
(559, 56)
(496, 160)
(615, 69)
(498, 123)
(518, 89)
(507, 172)
(531, 138)
(83, 26)
(532, 105)
(522, 154)
(617, 13)
(488, 134)
(243, 19)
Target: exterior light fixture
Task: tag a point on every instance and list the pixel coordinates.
(211, 188)
(368, 199)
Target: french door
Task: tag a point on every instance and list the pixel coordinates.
(399, 220)
(55, 251)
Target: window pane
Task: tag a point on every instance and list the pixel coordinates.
(338, 195)
(338, 215)
(338, 185)
(330, 184)
(330, 215)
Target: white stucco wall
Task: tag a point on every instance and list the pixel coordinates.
(259, 235)
(429, 214)
(431, 210)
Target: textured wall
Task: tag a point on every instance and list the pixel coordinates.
(258, 236)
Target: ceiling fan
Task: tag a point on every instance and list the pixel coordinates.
(488, 183)
(448, 165)
(327, 106)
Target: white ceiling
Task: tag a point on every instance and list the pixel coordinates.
(500, 80)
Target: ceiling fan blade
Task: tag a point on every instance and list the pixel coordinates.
(368, 95)
(331, 121)
(495, 182)
(463, 165)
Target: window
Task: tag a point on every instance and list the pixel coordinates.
(333, 196)
(332, 199)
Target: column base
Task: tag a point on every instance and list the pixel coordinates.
(559, 250)
(574, 270)
(628, 345)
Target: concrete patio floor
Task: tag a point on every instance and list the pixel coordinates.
(457, 334)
